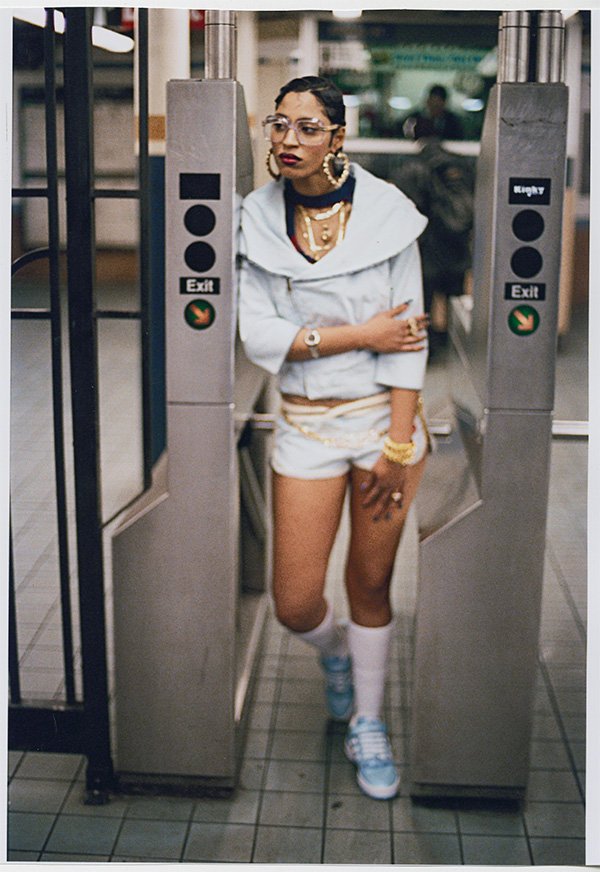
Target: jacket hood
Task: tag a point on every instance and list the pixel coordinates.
(383, 223)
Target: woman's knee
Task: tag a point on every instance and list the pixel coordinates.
(368, 584)
(299, 613)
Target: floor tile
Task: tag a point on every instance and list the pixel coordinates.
(219, 843)
(495, 850)
(294, 745)
(28, 794)
(555, 819)
(242, 808)
(59, 766)
(558, 852)
(252, 774)
(304, 777)
(357, 846)
(491, 822)
(49, 857)
(310, 718)
(438, 849)
(547, 754)
(74, 834)
(14, 759)
(159, 808)
(287, 845)
(421, 817)
(357, 812)
(159, 839)
(549, 785)
(280, 808)
(256, 745)
(28, 831)
(22, 856)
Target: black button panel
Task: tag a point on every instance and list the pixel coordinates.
(526, 262)
(528, 225)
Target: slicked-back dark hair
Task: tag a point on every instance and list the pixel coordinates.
(325, 92)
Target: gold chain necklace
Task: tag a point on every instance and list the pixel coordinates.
(325, 232)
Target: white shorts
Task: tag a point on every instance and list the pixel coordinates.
(329, 446)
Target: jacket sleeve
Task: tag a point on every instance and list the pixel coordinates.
(406, 369)
(266, 336)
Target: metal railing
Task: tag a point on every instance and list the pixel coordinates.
(79, 725)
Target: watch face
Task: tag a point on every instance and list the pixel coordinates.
(313, 338)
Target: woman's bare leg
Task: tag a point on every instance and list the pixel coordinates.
(373, 546)
(306, 519)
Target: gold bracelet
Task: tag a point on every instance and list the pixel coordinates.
(398, 452)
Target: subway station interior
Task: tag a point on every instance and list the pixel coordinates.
(157, 710)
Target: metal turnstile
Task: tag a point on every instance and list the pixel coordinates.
(190, 560)
(483, 500)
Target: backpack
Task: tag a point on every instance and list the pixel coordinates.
(451, 196)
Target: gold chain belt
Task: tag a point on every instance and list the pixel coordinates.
(295, 414)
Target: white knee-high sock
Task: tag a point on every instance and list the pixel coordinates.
(369, 647)
(328, 637)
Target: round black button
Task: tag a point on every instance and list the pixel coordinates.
(528, 225)
(526, 262)
(200, 220)
(200, 256)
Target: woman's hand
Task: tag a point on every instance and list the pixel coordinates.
(386, 479)
(385, 333)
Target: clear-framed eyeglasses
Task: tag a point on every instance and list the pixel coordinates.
(309, 131)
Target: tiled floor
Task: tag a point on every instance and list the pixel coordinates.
(297, 799)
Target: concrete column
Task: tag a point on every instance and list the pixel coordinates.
(247, 75)
(573, 54)
(168, 58)
(308, 45)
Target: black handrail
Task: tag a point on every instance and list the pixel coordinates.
(56, 356)
(144, 248)
(13, 647)
(81, 268)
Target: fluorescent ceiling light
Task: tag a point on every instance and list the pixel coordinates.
(400, 103)
(102, 37)
(38, 17)
(473, 104)
(110, 40)
(347, 13)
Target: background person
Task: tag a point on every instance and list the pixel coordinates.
(446, 124)
(329, 260)
(442, 185)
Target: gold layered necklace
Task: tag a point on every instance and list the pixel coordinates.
(327, 238)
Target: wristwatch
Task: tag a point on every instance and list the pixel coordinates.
(312, 339)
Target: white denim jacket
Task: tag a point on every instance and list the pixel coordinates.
(375, 267)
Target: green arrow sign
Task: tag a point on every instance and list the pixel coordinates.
(199, 314)
(524, 320)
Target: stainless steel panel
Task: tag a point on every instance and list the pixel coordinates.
(478, 620)
(201, 118)
(480, 580)
(524, 138)
(189, 570)
(175, 605)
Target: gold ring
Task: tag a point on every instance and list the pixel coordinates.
(413, 326)
(397, 497)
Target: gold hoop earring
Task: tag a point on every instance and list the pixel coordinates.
(339, 181)
(273, 175)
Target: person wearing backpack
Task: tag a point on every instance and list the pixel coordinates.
(441, 185)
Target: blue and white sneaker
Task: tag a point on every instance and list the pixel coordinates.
(339, 689)
(367, 745)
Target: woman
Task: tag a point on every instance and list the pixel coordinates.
(328, 263)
